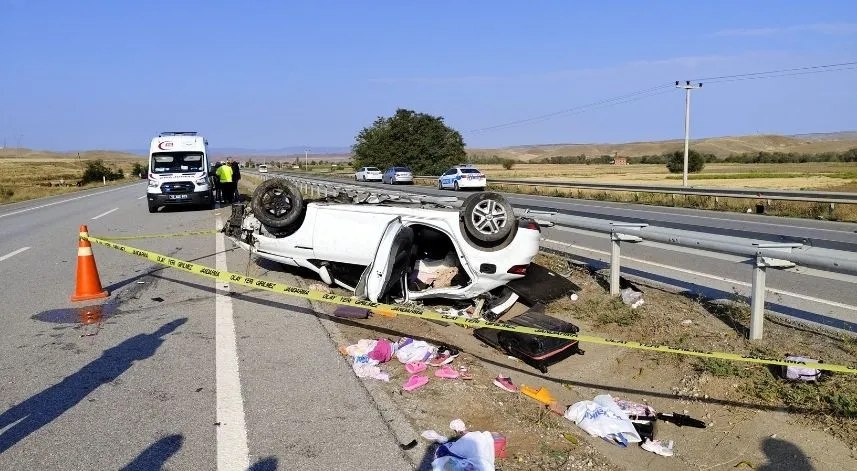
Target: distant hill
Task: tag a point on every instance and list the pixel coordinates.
(720, 146)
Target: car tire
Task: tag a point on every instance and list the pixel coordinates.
(153, 208)
(455, 186)
(277, 203)
(488, 217)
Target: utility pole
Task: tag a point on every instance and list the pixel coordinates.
(306, 159)
(687, 86)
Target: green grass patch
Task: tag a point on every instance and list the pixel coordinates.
(721, 368)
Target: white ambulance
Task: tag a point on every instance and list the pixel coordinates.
(179, 171)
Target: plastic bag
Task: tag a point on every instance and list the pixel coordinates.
(601, 417)
(800, 373)
(472, 452)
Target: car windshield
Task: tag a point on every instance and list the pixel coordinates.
(372, 169)
(469, 170)
(401, 169)
(173, 162)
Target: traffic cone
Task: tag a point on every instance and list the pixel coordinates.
(88, 284)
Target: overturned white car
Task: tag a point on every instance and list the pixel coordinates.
(389, 250)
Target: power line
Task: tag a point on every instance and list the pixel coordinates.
(569, 110)
(665, 88)
(812, 67)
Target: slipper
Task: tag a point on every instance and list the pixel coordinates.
(464, 374)
(415, 367)
(446, 372)
(415, 382)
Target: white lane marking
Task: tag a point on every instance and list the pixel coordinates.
(105, 213)
(142, 197)
(12, 254)
(62, 201)
(232, 451)
(713, 277)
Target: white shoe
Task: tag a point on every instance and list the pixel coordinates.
(656, 447)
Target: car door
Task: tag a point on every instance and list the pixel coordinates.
(378, 277)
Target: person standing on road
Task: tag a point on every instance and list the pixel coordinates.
(236, 176)
(224, 172)
(215, 179)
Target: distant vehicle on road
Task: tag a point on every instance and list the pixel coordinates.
(392, 250)
(263, 168)
(179, 171)
(395, 175)
(368, 174)
(461, 177)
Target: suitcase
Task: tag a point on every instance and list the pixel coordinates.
(537, 351)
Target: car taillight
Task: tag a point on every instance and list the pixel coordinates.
(518, 270)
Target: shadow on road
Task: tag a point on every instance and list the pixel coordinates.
(783, 455)
(42, 408)
(266, 464)
(156, 454)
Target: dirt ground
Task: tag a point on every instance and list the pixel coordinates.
(754, 420)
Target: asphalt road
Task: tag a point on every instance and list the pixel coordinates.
(182, 373)
(810, 295)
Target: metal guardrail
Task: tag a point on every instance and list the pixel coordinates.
(748, 193)
(762, 254)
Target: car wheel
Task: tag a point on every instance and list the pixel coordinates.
(488, 217)
(439, 185)
(277, 203)
(455, 186)
(153, 208)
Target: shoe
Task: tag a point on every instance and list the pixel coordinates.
(655, 446)
(415, 367)
(505, 383)
(445, 355)
(446, 372)
(415, 382)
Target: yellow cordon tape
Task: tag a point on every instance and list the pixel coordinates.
(162, 236)
(390, 310)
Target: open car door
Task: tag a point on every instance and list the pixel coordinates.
(391, 263)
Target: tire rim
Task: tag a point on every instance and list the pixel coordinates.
(488, 217)
(276, 202)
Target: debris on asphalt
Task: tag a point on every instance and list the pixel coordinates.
(351, 312)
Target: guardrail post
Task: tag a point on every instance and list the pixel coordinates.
(616, 239)
(615, 246)
(757, 299)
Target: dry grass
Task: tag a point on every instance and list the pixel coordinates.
(721, 146)
(38, 174)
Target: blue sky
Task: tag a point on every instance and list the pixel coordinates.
(268, 74)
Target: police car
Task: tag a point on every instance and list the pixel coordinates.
(461, 177)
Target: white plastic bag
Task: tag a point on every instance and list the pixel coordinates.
(472, 452)
(800, 373)
(601, 417)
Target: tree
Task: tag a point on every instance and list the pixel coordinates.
(508, 164)
(695, 162)
(416, 140)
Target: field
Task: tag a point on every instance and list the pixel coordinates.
(720, 146)
(29, 174)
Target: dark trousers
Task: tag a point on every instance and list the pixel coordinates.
(218, 191)
(228, 191)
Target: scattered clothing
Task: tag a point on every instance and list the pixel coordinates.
(365, 370)
(472, 452)
(505, 383)
(635, 409)
(409, 350)
(601, 417)
(382, 352)
(436, 273)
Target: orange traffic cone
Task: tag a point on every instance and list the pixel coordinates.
(88, 284)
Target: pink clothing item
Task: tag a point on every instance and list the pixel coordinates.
(382, 352)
